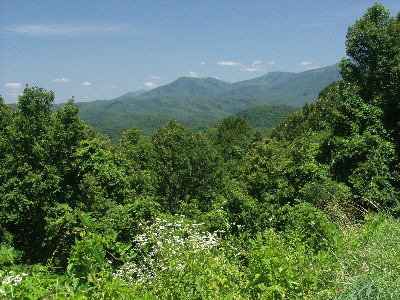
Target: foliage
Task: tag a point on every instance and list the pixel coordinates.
(52, 165)
(94, 252)
(310, 211)
(177, 259)
(370, 106)
(187, 169)
(279, 269)
(370, 256)
(199, 102)
(234, 136)
(266, 117)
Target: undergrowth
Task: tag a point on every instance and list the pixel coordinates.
(177, 258)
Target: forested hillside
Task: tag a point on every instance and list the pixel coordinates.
(200, 102)
(266, 117)
(307, 211)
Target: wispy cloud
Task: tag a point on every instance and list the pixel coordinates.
(272, 62)
(87, 83)
(150, 84)
(112, 86)
(155, 77)
(62, 79)
(250, 69)
(313, 67)
(14, 85)
(192, 74)
(40, 30)
(229, 63)
(305, 63)
(255, 66)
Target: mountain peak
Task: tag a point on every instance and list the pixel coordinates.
(299, 87)
(191, 87)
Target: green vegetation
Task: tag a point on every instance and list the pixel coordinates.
(200, 102)
(266, 117)
(308, 211)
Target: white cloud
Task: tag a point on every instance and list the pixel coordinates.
(255, 66)
(14, 85)
(192, 74)
(150, 84)
(305, 63)
(313, 68)
(229, 63)
(251, 69)
(155, 77)
(272, 62)
(55, 29)
(203, 63)
(62, 79)
(113, 86)
(87, 83)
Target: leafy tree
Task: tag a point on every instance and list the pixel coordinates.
(348, 137)
(187, 168)
(373, 66)
(137, 152)
(234, 137)
(27, 183)
(100, 180)
(5, 114)
(5, 120)
(51, 166)
(365, 125)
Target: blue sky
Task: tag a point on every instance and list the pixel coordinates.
(97, 49)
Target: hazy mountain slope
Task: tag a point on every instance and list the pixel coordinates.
(270, 78)
(203, 101)
(286, 88)
(266, 117)
(132, 94)
(191, 87)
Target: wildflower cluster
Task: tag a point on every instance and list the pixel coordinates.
(9, 281)
(167, 244)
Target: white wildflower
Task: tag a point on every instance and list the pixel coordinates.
(162, 241)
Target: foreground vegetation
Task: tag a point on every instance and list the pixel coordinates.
(309, 211)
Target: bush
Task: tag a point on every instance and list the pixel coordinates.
(176, 259)
(282, 269)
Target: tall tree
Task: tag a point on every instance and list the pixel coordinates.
(366, 121)
(51, 166)
(373, 66)
(27, 183)
(234, 137)
(187, 168)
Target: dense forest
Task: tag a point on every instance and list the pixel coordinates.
(308, 210)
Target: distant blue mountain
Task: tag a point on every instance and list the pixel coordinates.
(198, 102)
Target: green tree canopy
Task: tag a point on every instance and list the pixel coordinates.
(187, 168)
(373, 66)
(234, 137)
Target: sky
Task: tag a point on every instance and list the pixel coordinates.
(98, 49)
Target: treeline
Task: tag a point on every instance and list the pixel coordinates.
(308, 211)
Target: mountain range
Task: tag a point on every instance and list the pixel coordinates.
(199, 102)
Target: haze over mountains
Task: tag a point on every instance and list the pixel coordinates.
(197, 102)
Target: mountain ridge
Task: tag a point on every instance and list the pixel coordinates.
(190, 87)
(218, 86)
(197, 102)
